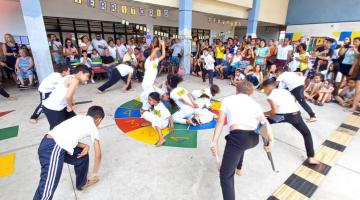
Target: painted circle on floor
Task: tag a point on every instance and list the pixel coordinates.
(128, 118)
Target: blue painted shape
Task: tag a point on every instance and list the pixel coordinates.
(126, 113)
(209, 125)
(343, 35)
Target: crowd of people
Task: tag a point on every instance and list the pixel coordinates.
(282, 70)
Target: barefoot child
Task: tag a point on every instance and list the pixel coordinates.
(61, 145)
(202, 112)
(346, 96)
(151, 70)
(123, 72)
(237, 78)
(159, 116)
(325, 93)
(59, 106)
(312, 90)
(47, 86)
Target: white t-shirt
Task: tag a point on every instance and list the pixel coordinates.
(96, 43)
(68, 133)
(122, 50)
(284, 101)
(50, 82)
(86, 62)
(124, 69)
(112, 51)
(89, 49)
(180, 93)
(203, 102)
(55, 45)
(176, 49)
(282, 52)
(151, 70)
(209, 65)
(56, 100)
(242, 110)
(290, 80)
(161, 111)
(197, 93)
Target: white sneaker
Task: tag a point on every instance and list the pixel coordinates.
(92, 81)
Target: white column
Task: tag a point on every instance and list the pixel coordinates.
(35, 29)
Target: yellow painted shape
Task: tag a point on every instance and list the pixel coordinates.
(336, 34)
(138, 99)
(309, 175)
(7, 163)
(296, 36)
(341, 137)
(355, 34)
(147, 134)
(353, 120)
(285, 192)
(216, 105)
(327, 155)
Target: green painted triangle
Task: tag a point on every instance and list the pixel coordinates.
(181, 126)
(182, 138)
(9, 132)
(133, 104)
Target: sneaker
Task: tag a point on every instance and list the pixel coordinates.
(312, 119)
(92, 81)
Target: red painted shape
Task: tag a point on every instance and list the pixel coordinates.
(218, 112)
(6, 112)
(129, 124)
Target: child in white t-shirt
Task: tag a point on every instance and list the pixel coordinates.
(159, 116)
(87, 61)
(209, 67)
(237, 78)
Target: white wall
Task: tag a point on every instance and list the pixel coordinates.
(262, 32)
(327, 30)
(11, 19)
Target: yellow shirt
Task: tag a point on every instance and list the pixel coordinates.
(220, 52)
(303, 65)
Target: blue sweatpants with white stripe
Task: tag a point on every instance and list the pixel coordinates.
(52, 158)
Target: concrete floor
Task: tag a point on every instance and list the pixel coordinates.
(134, 170)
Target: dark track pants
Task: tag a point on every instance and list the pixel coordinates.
(237, 142)
(297, 122)
(55, 117)
(211, 75)
(39, 109)
(114, 78)
(52, 158)
(298, 93)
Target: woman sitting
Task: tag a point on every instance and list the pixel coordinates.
(24, 68)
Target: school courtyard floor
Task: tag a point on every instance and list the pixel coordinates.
(131, 169)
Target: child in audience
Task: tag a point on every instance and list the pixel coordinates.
(325, 92)
(346, 96)
(237, 78)
(312, 90)
(95, 54)
(85, 59)
(208, 61)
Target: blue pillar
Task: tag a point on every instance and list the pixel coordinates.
(36, 33)
(185, 25)
(253, 18)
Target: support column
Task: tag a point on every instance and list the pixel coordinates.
(185, 25)
(36, 33)
(253, 19)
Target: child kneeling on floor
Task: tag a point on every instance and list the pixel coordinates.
(159, 116)
(62, 145)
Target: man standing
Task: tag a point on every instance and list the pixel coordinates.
(99, 44)
(56, 49)
(295, 83)
(323, 54)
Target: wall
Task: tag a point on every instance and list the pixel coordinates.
(262, 32)
(11, 19)
(274, 11)
(322, 11)
(334, 30)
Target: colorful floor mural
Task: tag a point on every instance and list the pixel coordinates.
(128, 119)
(7, 161)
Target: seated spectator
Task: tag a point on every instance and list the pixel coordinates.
(95, 54)
(312, 90)
(139, 56)
(24, 68)
(237, 78)
(130, 56)
(107, 60)
(325, 93)
(87, 61)
(112, 49)
(255, 76)
(271, 72)
(69, 50)
(346, 96)
(225, 63)
(86, 45)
